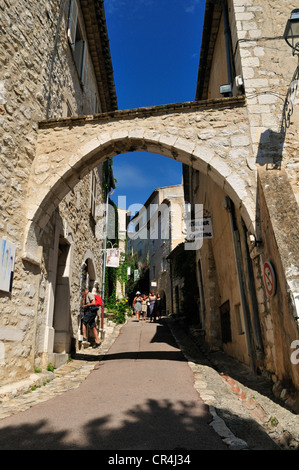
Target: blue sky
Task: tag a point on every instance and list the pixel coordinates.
(155, 46)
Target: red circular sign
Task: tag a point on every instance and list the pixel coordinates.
(269, 278)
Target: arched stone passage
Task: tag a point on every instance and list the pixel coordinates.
(215, 141)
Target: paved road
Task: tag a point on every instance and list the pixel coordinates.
(140, 396)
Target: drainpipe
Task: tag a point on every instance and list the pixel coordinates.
(228, 205)
(171, 266)
(171, 283)
(104, 261)
(104, 265)
(253, 298)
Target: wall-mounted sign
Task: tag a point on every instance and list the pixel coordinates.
(269, 278)
(112, 260)
(200, 228)
(7, 262)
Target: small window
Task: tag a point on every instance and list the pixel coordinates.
(79, 52)
(93, 194)
(76, 39)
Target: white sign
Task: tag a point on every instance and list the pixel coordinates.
(200, 228)
(154, 284)
(112, 260)
(7, 262)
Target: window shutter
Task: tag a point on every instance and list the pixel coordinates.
(78, 55)
(73, 15)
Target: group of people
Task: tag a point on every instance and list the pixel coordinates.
(90, 313)
(147, 306)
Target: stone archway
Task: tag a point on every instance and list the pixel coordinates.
(212, 137)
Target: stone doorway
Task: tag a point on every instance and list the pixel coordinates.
(61, 319)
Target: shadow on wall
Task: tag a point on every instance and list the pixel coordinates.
(271, 144)
(270, 149)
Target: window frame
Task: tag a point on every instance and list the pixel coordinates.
(77, 39)
(93, 194)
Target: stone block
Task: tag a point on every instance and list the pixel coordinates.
(11, 334)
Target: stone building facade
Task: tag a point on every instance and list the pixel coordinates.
(55, 62)
(248, 298)
(170, 232)
(243, 161)
(156, 230)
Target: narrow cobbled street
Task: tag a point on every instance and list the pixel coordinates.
(141, 393)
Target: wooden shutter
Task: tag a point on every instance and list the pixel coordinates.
(79, 56)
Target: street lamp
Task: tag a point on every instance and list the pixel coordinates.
(291, 36)
(291, 33)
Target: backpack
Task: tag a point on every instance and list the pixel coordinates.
(98, 300)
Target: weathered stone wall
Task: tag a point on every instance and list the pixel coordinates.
(73, 220)
(218, 264)
(24, 71)
(279, 222)
(265, 61)
(170, 234)
(38, 79)
(266, 64)
(222, 139)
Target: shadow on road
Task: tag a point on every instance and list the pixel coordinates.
(154, 425)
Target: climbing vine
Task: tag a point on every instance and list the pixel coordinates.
(108, 180)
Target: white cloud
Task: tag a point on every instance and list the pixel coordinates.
(130, 176)
(113, 6)
(193, 4)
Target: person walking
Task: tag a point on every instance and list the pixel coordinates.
(144, 307)
(137, 304)
(158, 306)
(148, 305)
(90, 313)
(152, 299)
